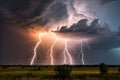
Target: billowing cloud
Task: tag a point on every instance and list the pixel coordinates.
(24, 11)
(51, 13)
(73, 18)
(95, 27)
(46, 12)
(104, 2)
(102, 35)
(55, 13)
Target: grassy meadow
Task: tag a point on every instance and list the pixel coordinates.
(63, 72)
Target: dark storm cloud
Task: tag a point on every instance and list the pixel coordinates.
(15, 47)
(30, 12)
(71, 4)
(85, 30)
(58, 11)
(104, 2)
(55, 13)
(24, 10)
(103, 37)
(41, 11)
(82, 26)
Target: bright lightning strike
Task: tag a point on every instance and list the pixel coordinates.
(51, 53)
(82, 53)
(67, 52)
(64, 55)
(35, 50)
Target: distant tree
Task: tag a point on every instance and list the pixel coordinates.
(39, 68)
(4, 67)
(22, 67)
(103, 69)
(63, 72)
(119, 70)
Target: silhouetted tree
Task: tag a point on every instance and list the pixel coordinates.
(63, 72)
(119, 70)
(38, 68)
(4, 67)
(103, 69)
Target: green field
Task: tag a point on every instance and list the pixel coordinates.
(17, 72)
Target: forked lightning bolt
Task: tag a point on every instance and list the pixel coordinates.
(51, 53)
(82, 54)
(35, 50)
(64, 57)
(67, 52)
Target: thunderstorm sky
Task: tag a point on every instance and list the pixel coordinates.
(98, 20)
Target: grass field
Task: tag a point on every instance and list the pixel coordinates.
(17, 72)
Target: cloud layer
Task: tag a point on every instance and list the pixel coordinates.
(73, 16)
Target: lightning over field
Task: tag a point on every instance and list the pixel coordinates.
(67, 57)
(82, 53)
(52, 52)
(68, 53)
(58, 32)
(35, 49)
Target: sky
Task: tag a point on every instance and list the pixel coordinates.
(97, 20)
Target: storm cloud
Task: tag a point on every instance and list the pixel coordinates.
(92, 18)
(95, 27)
(104, 2)
(48, 12)
(103, 36)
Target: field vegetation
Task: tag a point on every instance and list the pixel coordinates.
(63, 72)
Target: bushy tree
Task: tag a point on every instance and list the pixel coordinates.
(63, 72)
(119, 70)
(103, 69)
